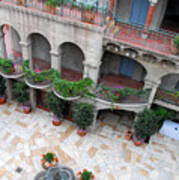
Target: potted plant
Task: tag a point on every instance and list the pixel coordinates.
(56, 106)
(88, 14)
(82, 114)
(49, 160)
(2, 90)
(175, 45)
(7, 65)
(85, 175)
(145, 126)
(51, 6)
(20, 2)
(22, 96)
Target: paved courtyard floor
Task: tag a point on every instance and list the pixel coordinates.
(24, 138)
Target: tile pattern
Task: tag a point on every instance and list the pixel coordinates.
(24, 138)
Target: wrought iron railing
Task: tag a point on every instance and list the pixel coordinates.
(68, 8)
(122, 95)
(154, 39)
(168, 96)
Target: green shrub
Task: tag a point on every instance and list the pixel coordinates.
(146, 124)
(82, 114)
(176, 41)
(86, 175)
(54, 104)
(21, 92)
(49, 157)
(6, 65)
(2, 86)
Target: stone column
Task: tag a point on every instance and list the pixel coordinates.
(154, 86)
(27, 52)
(92, 71)
(150, 12)
(3, 53)
(56, 60)
(32, 98)
(94, 120)
(9, 89)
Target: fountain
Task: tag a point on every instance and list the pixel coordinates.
(56, 173)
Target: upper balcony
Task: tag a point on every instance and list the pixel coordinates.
(155, 39)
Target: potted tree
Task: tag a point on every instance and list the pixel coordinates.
(88, 14)
(82, 114)
(51, 6)
(22, 96)
(2, 90)
(145, 126)
(85, 175)
(175, 45)
(56, 106)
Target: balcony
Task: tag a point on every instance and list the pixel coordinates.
(154, 40)
(167, 98)
(66, 9)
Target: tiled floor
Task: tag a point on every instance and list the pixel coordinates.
(24, 138)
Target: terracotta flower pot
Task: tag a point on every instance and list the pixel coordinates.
(56, 121)
(81, 132)
(138, 142)
(2, 100)
(128, 135)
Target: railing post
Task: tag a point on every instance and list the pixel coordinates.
(61, 4)
(82, 12)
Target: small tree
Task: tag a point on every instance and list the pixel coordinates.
(54, 104)
(146, 124)
(21, 92)
(82, 114)
(2, 86)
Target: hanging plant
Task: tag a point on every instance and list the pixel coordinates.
(6, 65)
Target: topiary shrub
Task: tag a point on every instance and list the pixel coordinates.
(82, 114)
(21, 92)
(54, 104)
(146, 124)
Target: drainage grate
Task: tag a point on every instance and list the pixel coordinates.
(19, 169)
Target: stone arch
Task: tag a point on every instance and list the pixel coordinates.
(113, 48)
(72, 58)
(132, 53)
(149, 58)
(40, 48)
(11, 41)
(110, 68)
(166, 63)
(169, 81)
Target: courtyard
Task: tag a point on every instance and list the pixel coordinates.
(105, 152)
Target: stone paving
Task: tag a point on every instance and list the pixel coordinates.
(24, 138)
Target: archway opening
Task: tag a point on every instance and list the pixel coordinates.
(71, 62)
(169, 89)
(170, 21)
(116, 120)
(10, 43)
(40, 48)
(120, 71)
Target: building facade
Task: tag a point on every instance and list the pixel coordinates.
(126, 43)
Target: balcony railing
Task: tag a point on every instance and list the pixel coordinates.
(122, 95)
(168, 96)
(67, 8)
(152, 39)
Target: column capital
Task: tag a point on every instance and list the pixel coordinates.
(25, 44)
(150, 83)
(93, 66)
(54, 53)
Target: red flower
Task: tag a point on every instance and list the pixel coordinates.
(50, 165)
(79, 173)
(42, 160)
(56, 159)
(43, 155)
(92, 176)
(85, 170)
(80, 178)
